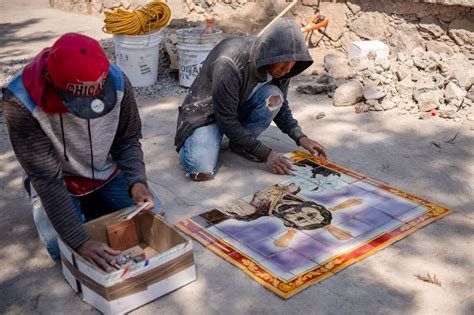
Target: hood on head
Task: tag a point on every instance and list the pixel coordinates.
(281, 42)
(42, 93)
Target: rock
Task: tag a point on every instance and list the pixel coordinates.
(361, 107)
(427, 99)
(361, 64)
(402, 57)
(348, 94)
(454, 95)
(431, 25)
(462, 70)
(462, 31)
(363, 26)
(409, 63)
(374, 93)
(427, 95)
(446, 107)
(470, 93)
(420, 62)
(315, 88)
(417, 51)
(374, 105)
(405, 37)
(331, 60)
(321, 115)
(470, 117)
(354, 8)
(337, 67)
(402, 72)
(432, 56)
(336, 12)
(374, 77)
(440, 81)
(448, 114)
(378, 107)
(387, 104)
(323, 78)
(444, 67)
(438, 47)
(341, 71)
(425, 83)
(405, 87)
(386, 64)
(417, 75)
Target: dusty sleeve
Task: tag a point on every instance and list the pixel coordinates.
(284, 119)
(37, 157)
(126, 149)
(225, 98)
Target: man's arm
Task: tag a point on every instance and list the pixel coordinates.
(225, 98)
(127, 150)
(284, 119)
(289, 125)
(37, 157)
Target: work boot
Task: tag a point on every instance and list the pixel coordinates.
(200, 177)
(236, 148)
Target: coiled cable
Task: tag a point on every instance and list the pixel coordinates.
(152, 16)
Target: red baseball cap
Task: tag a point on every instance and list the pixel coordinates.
(78, 68)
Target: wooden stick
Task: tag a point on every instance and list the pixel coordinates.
(138, 209)
(288, 8)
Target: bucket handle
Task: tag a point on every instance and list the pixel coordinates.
(147, 9)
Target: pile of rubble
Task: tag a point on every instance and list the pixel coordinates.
(420, 82)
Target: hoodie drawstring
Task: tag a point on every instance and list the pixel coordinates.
(92, 152)
(64, 138)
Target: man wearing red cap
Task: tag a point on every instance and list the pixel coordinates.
(75, 128)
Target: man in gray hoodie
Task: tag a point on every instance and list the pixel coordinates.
(241, 88)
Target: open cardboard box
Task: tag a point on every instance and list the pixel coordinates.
(168, 266)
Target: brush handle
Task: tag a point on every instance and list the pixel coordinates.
(288, 8)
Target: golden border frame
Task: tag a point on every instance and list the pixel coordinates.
(286, 289)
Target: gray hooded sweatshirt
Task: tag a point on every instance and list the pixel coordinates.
(228, 76)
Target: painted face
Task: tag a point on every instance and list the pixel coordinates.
(278, 70)
(304, 216)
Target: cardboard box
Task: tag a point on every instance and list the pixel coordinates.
(362, 48)
(169, 265)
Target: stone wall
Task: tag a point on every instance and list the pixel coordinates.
(437, 25)
(403, 25)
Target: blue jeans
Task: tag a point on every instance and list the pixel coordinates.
(200, 151)
(111, 197)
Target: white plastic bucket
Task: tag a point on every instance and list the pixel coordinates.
(193, 48)
(138, 56)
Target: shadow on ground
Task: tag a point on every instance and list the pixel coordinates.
(10, 39)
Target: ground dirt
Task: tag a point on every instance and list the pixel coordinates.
(411, 154)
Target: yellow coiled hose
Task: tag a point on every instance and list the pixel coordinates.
(153, 16)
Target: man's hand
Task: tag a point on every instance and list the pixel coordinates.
(278, 164)
(98, 253)
(314, 147)
(141, 194)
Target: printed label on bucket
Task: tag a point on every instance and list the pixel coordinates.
(190, 64)
(188, 73)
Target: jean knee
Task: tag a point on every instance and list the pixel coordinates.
(197, 160)
(200, 151)
(46, 231)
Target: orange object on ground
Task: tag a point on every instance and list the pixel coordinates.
(316, 22)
